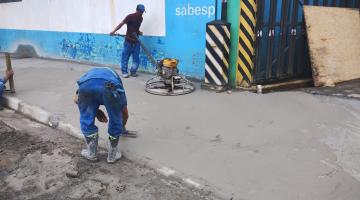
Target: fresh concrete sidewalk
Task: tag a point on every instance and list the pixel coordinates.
(288, 145)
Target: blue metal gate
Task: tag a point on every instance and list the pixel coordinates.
(281, 47)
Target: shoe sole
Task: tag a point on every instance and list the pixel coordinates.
(112, 162)
(89, 159)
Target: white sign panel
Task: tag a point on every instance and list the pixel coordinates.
(89, 16)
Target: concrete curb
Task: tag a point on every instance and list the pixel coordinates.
(42, 116)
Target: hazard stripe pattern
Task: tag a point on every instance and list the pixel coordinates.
(217, 54)
(245, 63)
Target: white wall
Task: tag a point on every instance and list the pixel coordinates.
(89, 16)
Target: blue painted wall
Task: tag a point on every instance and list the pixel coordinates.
(185, 40)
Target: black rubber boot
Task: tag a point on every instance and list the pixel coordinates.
(113, 153)
(91, 152)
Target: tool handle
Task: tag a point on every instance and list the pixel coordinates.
(117, 34)
(9, 67)
(147, 52)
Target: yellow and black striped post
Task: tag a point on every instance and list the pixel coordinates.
(245, 61)
(217, 54)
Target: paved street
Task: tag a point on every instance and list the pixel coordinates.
(266, 133)
(280, 146)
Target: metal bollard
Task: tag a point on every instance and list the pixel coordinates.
(217, 54)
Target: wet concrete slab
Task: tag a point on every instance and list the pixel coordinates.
(347, 89)
(284, 145)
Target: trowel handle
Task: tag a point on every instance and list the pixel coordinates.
(117, 34)
(148, 54)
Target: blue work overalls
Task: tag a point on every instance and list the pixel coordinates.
(101, 86)
(130, 49)
(2, 87)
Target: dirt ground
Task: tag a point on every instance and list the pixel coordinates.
(37, 162)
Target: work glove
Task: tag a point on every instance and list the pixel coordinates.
(100, 115)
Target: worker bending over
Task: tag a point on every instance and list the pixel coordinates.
(101, 86)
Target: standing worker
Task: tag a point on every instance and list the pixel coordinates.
(131, 44)
(8, 75)
(101, 86)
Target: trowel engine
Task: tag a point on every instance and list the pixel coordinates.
(168, 81)
(168, 71)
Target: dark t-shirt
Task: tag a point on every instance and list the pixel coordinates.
(133, 22)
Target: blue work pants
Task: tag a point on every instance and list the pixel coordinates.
(2, 87)
(130, 49)
(92, 94)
